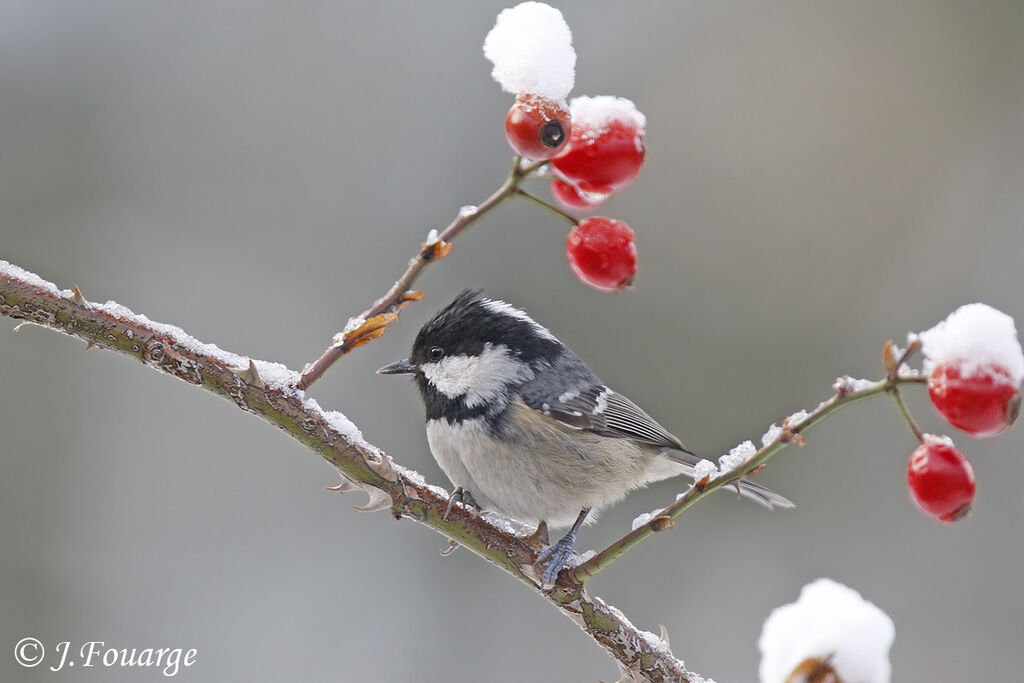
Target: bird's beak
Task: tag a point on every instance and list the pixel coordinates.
(402, 367)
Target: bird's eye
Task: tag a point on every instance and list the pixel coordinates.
(435, 353)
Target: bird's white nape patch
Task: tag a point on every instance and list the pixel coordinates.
(502, 308)
(479, 379)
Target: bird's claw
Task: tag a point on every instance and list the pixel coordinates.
(557, 556)
(460, 495)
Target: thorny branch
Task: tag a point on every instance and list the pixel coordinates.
(268, 390)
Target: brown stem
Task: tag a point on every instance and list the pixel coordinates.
(392, 301)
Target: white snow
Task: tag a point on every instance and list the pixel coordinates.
(591, 116)
(531, 49)
(276, 375)
(736, 457)
(797, 418)
(772, 434)
(704, 468)
(849, 385)
(975, 337)
(273, 374)
(14, 272)
(178, 335)
(939, 440)
(828, 620)
(585, 556)
(353, 324)
(507, 524)
(645, 518)
(344, 426)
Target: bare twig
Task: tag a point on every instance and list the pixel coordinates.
(268, 390)
(385, 309)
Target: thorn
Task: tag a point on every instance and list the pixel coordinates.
(382, 467)
(530, 572)
(77, 296)
(450, 548)
(24, 323)
(379, 500)
(539, 538)
(664, 634)
(251, 375)
(89, 346)
(345, 486)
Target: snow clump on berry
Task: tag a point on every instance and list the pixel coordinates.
(531, 49)
(828, 622)
(594, 114)
(978, 338)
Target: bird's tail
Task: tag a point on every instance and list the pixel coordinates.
(745, 487)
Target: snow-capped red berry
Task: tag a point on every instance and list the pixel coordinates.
(606, 145)
(602, 253)
(573, 198)
(983, 404)
(537, 127)
(975, 366)
(941, 479)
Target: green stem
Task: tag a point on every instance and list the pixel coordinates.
(547, 205)
(901, 404)
(844, 396)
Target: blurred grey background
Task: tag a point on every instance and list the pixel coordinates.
(820, 177)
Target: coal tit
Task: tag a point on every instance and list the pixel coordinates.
(523, 427)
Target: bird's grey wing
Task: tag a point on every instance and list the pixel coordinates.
(582, 401)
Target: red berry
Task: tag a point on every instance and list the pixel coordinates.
(983, 404)
(606, 147)
(941, 479)
(537, 127)
(602, 253)
(573, 198)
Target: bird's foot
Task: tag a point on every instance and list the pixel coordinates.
(557, 556)
(459, 495)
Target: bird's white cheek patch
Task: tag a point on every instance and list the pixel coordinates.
(479, 379)
(452, 376)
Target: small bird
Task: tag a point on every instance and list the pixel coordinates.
(523, 427)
